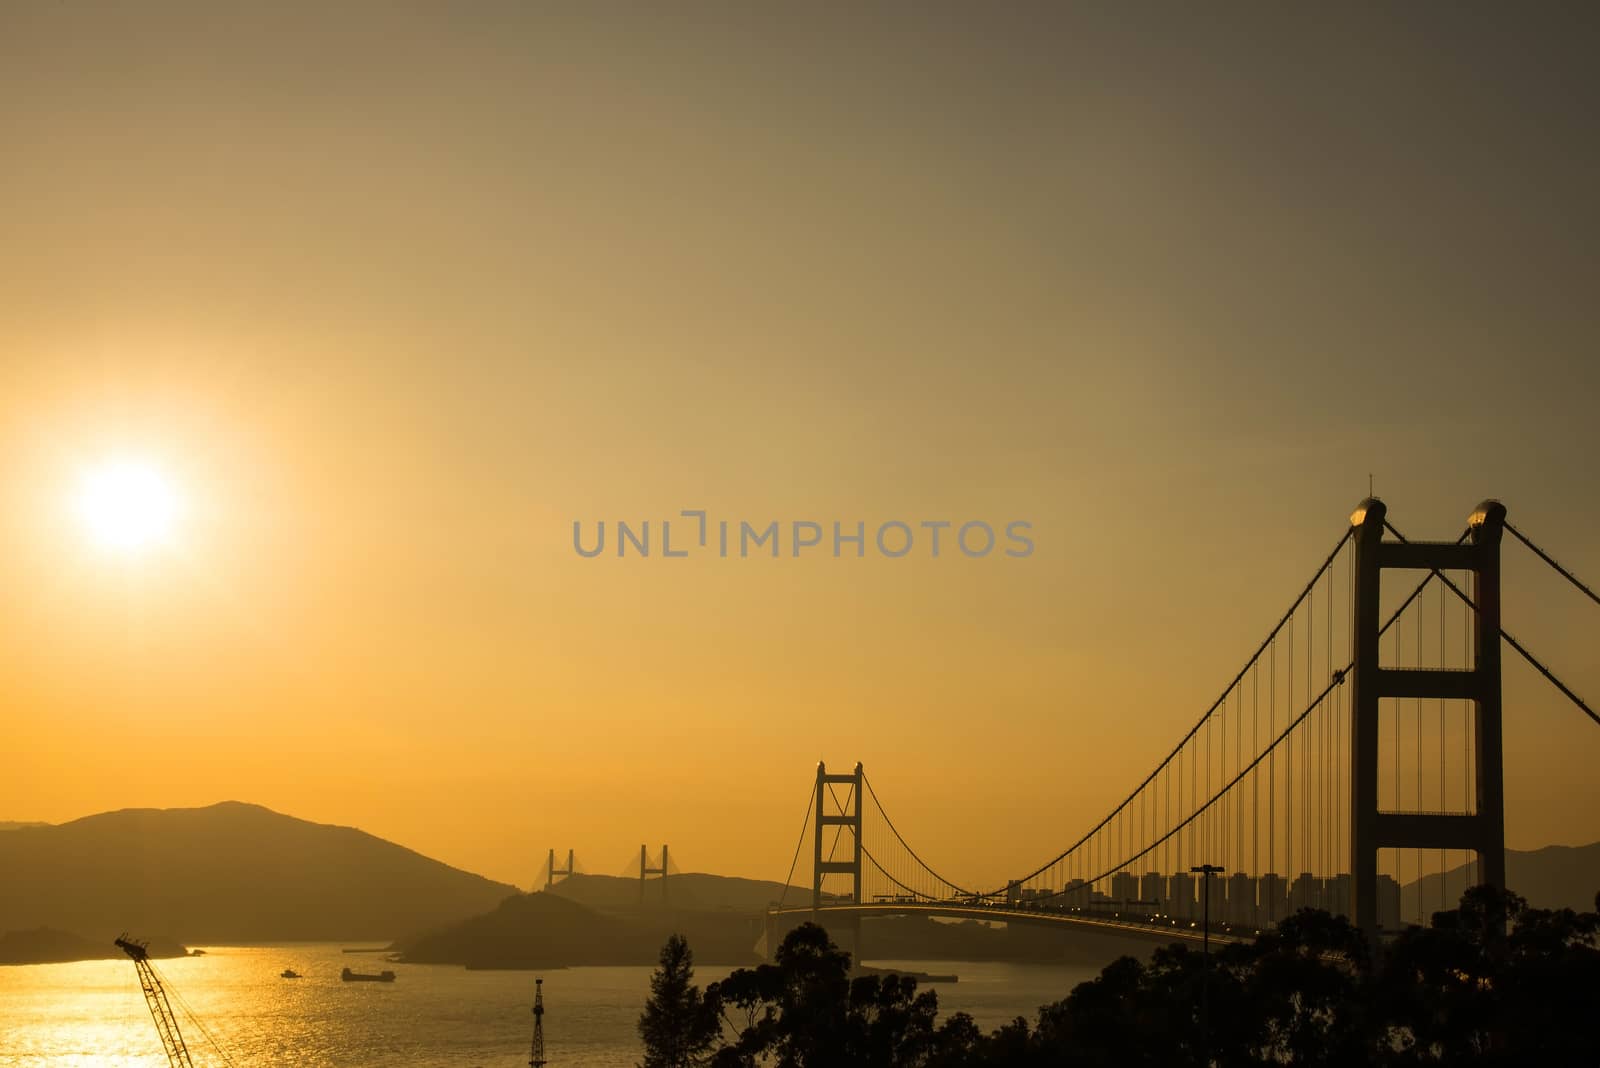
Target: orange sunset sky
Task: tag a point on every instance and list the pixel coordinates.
(392, 294)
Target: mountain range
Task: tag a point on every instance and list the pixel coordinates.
(1555, 877)
(241, 873)
(230, 872)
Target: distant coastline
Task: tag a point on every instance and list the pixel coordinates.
(49, 945)
(271, 879)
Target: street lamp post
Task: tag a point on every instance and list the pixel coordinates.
(1205, 871)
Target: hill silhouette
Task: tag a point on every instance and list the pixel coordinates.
(601, 919)
(533, 931)
(546, 930)
(1555, 877)
(231, 872)
(690, 890)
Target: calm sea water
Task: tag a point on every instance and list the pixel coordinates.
(92, 1013)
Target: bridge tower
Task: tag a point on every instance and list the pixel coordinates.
(851, 819)
(645, 869)
(551, 871)
(1482, 830)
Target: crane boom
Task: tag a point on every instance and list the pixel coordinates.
(155, 996)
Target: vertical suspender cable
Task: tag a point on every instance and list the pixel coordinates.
(1308, 847)
(1346, 754)
(1206, 845)
(1327, 747)
(1395, 804)
(1238, 762)
(1421, 913)
(1272, 780)
(1305, 748)
(1288, 769)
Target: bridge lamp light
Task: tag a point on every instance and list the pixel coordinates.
(1206, 871)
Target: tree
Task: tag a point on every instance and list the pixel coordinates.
(1492, 983)
(805, 1011)
(1304, 991)
(678, 1025)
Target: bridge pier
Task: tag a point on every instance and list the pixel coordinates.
(846, 934)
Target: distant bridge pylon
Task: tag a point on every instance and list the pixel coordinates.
(551, 871)
(645, 871)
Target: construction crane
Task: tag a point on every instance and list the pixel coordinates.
(536, 1053)
(155, 996)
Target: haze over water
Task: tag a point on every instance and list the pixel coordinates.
(91, 1014)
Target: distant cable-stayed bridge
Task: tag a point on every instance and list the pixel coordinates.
(642, 868)
(1366, 722)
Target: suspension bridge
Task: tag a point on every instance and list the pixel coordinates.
(1367, 724)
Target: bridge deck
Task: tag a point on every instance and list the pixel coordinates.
(1164, 931)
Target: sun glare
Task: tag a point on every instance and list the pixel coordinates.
(128, 506)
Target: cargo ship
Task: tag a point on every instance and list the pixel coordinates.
(361, 977)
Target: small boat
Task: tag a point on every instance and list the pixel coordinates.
(361, 977)
(289, 973)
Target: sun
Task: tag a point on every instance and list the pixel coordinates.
(128, 505)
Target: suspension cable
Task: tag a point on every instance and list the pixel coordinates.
(865, 852)
(901, 838)
(1547, 558)
(1529, 657)
(1266, 752)
(1337, 681)
(811, 802)
(1192, 730)
(1550, 675)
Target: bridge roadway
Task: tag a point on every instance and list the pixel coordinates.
(1163, 933)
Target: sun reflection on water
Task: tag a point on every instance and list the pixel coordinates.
(92, 1013)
